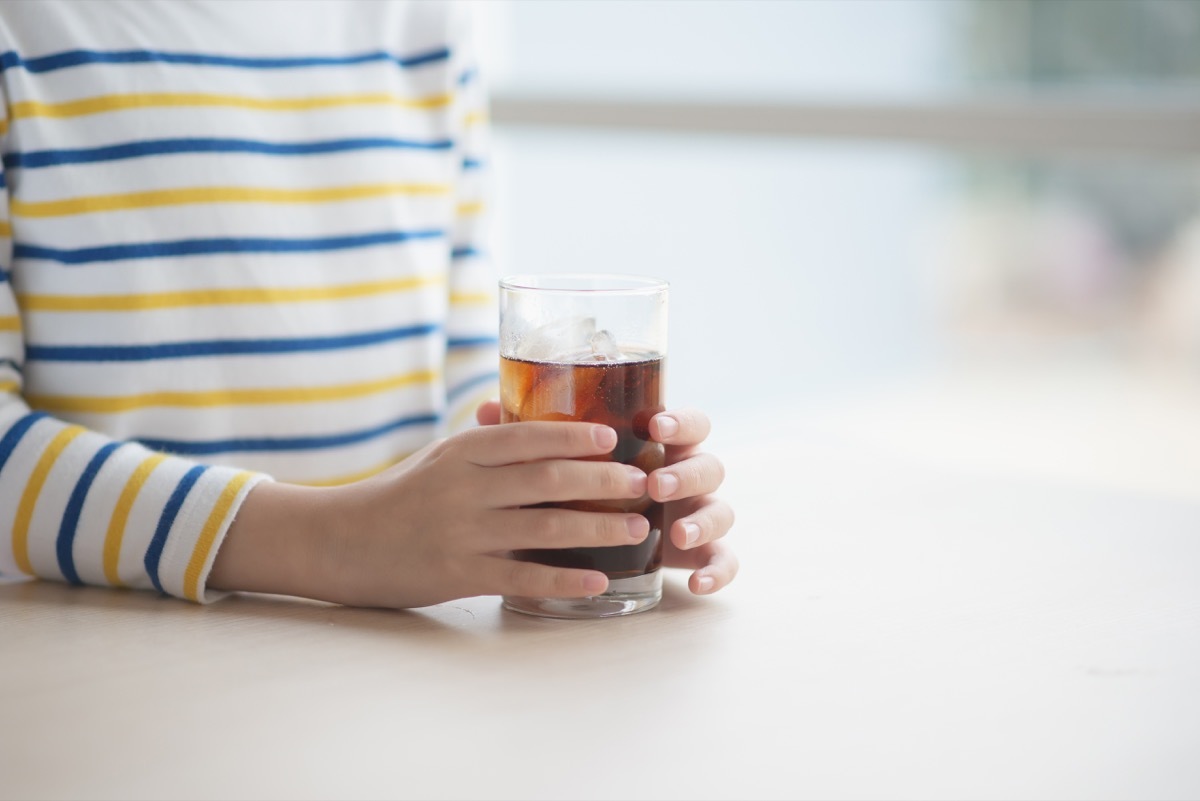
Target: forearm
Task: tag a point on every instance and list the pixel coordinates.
(88, 509)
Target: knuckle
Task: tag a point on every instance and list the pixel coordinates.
(694, 422)
(716, 518)
(691, 474)
(522, 578)
(570, 438)
(550, 477)
(555, 437)
(439, 448)
(549, 527)
(609, 528)
(710, 526)
(613, 480)
(560, 583)
(718, 469)
(701, 422)
(528, 578)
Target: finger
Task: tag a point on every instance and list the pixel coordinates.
(696, 475)
(553, 480)
(493, 446)
(714, 565)
(505, 576)
(680, 427)
(488, 413)
(710, 521)
(721, 569)
(566, 528)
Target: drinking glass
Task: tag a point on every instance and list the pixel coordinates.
(591, 348)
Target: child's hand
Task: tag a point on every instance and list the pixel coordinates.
(439, 525)
(695, 520)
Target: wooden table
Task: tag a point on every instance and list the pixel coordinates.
(908, 624)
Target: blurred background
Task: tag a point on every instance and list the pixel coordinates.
(960, 230)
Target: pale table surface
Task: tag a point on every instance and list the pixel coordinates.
(956, 590)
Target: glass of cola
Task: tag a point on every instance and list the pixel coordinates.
(590, 348)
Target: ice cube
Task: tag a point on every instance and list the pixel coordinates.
(557, 340)
(516, 380)
(561, 390)
(604, 347)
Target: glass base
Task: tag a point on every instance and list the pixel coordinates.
(624, 597)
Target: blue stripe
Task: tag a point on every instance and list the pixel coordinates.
(467, 164)
(12, 365)
(470, 342)
(79, 58)
(169, 147)
(454, 393)
(210, 447)
(209, 247)
(170, 511)
(462, 253)
(3, 181)
(220, 347)
(13, 436)
(468, 76)
(70, 521)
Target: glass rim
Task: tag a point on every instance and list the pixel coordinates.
(604, 283)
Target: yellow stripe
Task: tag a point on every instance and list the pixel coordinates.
(472, 298)
(3, 127)
(9, 386)
(116, 404)
(218, 194)
(221, 297)
(106, 103)
(120, 515)
(5, 228)
(191, 575)
(360, 475)
(10, 323)
(475, 118)
(466, 209)
(33, 488)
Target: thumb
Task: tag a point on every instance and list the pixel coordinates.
(488, 413)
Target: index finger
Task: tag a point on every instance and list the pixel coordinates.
(513, 443)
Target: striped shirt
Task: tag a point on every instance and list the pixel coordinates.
(237, 240)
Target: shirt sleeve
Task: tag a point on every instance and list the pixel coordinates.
(471, 326)
(80, 507)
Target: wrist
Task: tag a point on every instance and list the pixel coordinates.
(277, 543)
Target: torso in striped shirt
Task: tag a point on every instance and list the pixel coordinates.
(246, 232)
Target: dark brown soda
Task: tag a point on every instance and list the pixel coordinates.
(622, 394)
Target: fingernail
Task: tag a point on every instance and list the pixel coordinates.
(637, 480)
(706, 584)
(604, 437)
(595, 582)
(667, 427)
(638, 527)
(667, 484)
(691, 533)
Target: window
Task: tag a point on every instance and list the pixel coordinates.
(843, 192)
